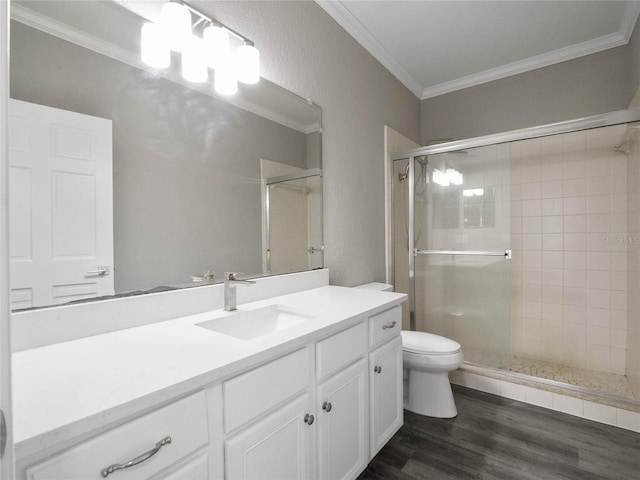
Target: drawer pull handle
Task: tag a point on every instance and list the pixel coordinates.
(389, 325)
(377, 369)
(139, 459)
(309, 419)
(326, 406)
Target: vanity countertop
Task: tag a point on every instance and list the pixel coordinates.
(66, 390)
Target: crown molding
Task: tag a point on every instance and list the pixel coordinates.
(532, 63)
(83, 39)
(346, 20)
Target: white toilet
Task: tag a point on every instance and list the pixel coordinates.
(427, 361)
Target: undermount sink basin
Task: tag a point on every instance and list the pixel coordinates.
(250, 324)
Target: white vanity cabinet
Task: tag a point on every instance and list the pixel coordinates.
(269, 420)
(170, 443)
(385, 377)
(343, 423)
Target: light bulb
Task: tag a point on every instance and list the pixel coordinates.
(454, 176)
(224, 80)
(194, 62)
(248, 63)
(176, 21)
(154, 49)
(440, 178)
(216, 40)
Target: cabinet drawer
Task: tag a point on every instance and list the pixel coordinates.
(340, 350)
(185, 421)
(253, 393)
(384, 326)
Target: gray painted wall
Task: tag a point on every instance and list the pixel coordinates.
(307, 52)
(186, 166)
(634, 52)
(589, 85)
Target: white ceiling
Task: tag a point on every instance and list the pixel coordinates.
(435, 47)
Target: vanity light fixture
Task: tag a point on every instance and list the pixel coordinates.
(205, 43)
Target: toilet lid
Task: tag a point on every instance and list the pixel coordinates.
(422, 342)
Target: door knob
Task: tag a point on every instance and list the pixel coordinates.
(326, 406)
(377, 369)
(308, 419)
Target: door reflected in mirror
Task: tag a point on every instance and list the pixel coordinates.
(187, 179)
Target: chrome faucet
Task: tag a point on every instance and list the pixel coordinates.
(230, 282)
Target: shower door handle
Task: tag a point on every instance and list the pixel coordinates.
(481, 253)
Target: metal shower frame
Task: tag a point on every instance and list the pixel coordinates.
(585, 123)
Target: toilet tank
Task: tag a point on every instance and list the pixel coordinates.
(383, 287)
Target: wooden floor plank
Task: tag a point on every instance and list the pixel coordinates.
(495, 438)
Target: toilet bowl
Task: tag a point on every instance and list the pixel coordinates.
(427, 361)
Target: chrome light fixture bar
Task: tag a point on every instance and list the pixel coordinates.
(210, 49)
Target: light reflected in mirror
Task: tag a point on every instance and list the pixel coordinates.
(188, 175)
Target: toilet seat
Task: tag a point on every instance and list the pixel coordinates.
(428, 343)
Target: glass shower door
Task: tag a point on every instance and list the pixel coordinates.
(461, 251)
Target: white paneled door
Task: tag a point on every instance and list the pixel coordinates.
(60, 205)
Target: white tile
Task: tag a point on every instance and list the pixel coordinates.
(551, 168)
(551, 224)
(515, 208)
(599, 336)
(596, 242)
(598, 298)
(598, 186)
(552, 241)
(598, 167)
(488, 385)
(618, 300)
(600, 279)
(575, 278)
(598, 358)
(532, 225)
(618, 222)
(515, 192)
(574, 314)
(598, 204)
(618, 203)
(598, 317)
(531, 191)
(553, 313)
(574, 223)
(598, 260)
(618, 280)
(575, 242)
(552, 259)
(514, 391)
(598, 223)
(531, 208)
(574, 205)
(570, 405)
(551, 189)
(532, 241)
(552, 206)
(617, 360)
(552, 295)
(618, 338)
(574, 165)
(628, 420)
(552, 277)
(515, 225)
(573, 187)
(532, 276)
(574, 260)
(600, 413)
(538, 397)
(532, 259)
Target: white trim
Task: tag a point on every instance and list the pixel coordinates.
(346, 20)
(532, 63)
(350, 23)
(78, 37)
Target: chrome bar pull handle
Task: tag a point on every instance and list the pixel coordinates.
(101, 270)
(135, 461)
(389, 325)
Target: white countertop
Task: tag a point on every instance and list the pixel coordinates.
(66, 390)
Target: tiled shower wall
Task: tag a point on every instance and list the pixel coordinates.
(633, 275)
(568, 236)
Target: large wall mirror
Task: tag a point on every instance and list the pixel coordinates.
(195, 184)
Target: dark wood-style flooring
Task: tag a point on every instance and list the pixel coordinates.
(496, 438)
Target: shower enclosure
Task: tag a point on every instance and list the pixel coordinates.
(524, 247)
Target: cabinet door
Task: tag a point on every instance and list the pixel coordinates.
(279, 447)
(193, 469)
(343, 424)
(385, 380)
